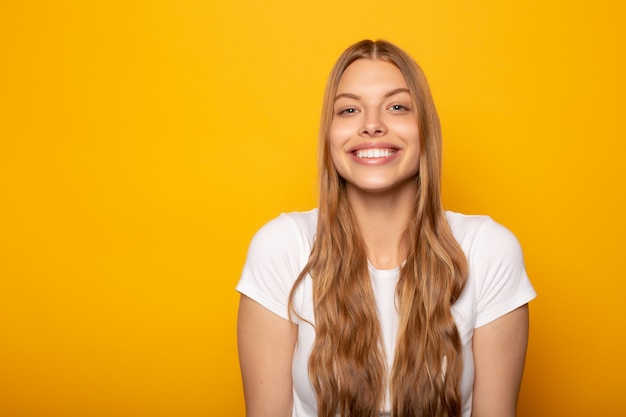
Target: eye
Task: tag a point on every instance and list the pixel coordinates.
(347, 111)
(399, 108)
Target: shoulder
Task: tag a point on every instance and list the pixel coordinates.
(284, 243)
(480, 235)
(287, 230)
(277, 254)
(497, 274)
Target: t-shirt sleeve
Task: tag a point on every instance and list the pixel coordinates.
(502, 284)
(273, 263)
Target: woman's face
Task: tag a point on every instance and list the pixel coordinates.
(374, 137)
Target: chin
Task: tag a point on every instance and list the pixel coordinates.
(382, 185)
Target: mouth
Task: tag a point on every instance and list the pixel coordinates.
(374, 153)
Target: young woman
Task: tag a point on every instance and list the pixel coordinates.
(379, 302)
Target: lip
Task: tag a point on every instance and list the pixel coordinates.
(374, 145)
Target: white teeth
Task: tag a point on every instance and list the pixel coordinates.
(374, 153)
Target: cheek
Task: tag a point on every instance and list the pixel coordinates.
(337, 156)
(409, 132)
(339, 135)
(341, 131)
(336, 140)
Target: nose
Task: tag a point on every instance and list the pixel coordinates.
(373, 125)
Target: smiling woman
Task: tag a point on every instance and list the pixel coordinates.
(379, 302)
(374, 136)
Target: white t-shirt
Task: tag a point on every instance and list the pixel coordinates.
(497, 284)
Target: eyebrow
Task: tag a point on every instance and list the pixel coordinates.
(389, 94)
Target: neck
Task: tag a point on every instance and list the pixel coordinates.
(383, 218)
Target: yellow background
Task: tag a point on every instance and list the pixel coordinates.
(142, 144)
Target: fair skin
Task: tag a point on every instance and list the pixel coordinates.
(374, 144)
(266, 344)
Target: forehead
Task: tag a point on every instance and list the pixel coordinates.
(370, 74)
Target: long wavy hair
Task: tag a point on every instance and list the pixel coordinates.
(347, 365)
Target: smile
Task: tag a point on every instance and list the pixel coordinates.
(374, 153)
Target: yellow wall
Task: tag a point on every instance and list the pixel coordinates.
(143, 143)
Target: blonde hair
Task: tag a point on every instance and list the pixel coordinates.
(347, 367)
